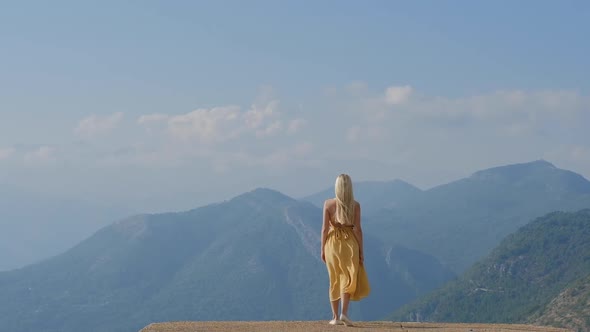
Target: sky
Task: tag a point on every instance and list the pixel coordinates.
(170, 105)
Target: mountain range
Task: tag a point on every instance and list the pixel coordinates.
(256, 256)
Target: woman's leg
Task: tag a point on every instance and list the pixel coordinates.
(335, 305)
(345, 301)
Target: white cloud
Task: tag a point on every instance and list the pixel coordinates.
(257, 115)
(153, 122)
(271, 130)
(221, 124)
(206, 125)
(40, 155)
(225, 138)
(395, 95)
(152, 118)
(96, 125)
(6, 153)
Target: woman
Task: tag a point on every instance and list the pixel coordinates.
(342, 249)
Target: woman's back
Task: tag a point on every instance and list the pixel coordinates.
(331, 206)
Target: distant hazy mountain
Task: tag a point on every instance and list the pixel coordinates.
(34, 227)
(373, 195)
(539, 274)
(462, 221)
(255, 257)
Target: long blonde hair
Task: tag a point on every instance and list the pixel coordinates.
(344, 199)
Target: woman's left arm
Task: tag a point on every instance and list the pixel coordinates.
(325, 229)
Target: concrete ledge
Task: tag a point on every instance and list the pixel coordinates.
(317, 326)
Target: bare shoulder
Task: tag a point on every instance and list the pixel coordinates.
(357, 205)
(329, 202)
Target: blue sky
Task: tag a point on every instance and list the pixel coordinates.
(167, 105)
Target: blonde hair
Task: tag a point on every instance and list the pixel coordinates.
(344, 199)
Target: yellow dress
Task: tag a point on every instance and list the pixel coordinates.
(342, 260)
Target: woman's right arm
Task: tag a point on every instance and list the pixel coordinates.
(358, 232)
